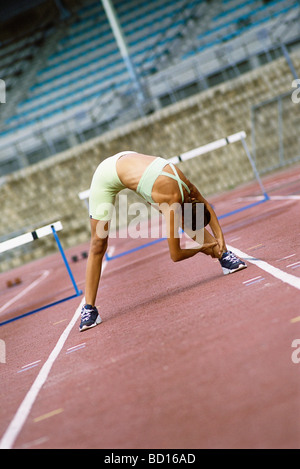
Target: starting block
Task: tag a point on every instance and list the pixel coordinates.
(13, 283)
(84, 255)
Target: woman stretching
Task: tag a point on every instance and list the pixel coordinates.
(160, 183)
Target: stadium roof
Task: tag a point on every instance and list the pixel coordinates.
(16, 7)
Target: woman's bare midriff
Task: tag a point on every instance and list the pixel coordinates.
(131, 167)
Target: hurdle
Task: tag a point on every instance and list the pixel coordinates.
(209, 147)
(33, 236)
(239, 136)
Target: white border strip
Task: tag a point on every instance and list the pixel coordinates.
(23, 411)
(280, 274)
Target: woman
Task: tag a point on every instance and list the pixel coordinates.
(159, 182)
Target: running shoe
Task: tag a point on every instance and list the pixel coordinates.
(230, 263)
(89, 317)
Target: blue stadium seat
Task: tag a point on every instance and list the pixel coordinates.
(87, 62)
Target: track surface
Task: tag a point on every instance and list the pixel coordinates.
(185, 357)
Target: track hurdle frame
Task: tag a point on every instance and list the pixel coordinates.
(239, 136)
(32, 236)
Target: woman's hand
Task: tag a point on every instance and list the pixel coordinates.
(207, 246)
(221, 246)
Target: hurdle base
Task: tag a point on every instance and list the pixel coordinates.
(225, 215)
(246, 207)
(37, 310)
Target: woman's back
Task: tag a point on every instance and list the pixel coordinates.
(130, 168)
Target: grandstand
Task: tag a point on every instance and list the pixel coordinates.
(71, 101)
(61, 76)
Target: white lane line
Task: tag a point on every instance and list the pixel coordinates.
(252, 279)
(255, 281)
(280, 274)
(23, 411)
(76, 346)
(26, 290)
(74, 349)
(285, 197)
(272, 197)
(27, 368)
(295, 263)
(235, 239)
(286, 257)
(33, 363)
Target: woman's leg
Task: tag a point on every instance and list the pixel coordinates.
(97, 251)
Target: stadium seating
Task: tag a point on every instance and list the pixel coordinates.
(241, 17)
(174, 45)
(89, 63)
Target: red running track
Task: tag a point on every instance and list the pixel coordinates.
(185, 357)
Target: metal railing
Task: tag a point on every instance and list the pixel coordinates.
(274, 131)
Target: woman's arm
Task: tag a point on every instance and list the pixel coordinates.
(173, 220)
(214, 222)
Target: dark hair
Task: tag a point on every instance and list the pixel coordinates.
(191, 221)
